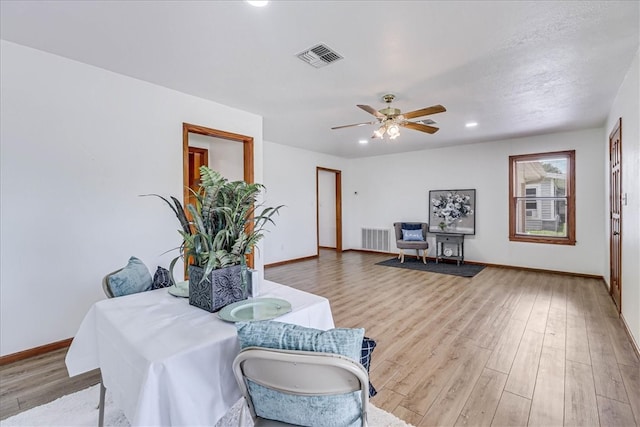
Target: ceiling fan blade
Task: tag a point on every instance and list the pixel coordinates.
(424, 112)
(356, 124)
(420, 127)
(373, 111)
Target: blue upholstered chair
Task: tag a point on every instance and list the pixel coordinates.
(418, 241)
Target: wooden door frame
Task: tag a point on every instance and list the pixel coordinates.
(248, 163)
(338, 195)
(616, 128)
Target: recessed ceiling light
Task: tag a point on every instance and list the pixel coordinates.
(471, 124)
(258, 3)
(363, 141)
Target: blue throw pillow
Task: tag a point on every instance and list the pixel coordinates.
(412, 235)
(407, 226)
(322, 411)
(285, 336)
(133, 278)
(365, 360)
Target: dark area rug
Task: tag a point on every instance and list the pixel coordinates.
(464, 270)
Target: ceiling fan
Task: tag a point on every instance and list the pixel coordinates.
(391, 119)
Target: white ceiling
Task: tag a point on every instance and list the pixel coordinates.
(516, 67)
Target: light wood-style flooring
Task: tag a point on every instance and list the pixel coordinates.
(507, 347)
(38, 380)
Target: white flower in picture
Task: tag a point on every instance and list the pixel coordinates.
(451, 208)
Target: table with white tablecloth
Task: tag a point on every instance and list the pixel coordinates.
(166, 362)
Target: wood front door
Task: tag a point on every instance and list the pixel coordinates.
(615, 215)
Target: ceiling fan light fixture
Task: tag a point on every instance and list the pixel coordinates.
(389, 120)
(393, 131)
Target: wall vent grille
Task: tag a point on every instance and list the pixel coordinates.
(376, 239)
(319, 55)
(426, 122)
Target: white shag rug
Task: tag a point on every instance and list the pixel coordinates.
(80, 409)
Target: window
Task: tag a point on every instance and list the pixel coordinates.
(542, 198)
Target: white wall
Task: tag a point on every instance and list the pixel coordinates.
(78, 146)
(626, 105)
(290, 178)
(225, 156)
(396, 188)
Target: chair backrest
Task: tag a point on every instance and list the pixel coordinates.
(301, 373)
(105, 284)
(397, 226)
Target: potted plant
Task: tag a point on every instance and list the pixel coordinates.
(218, 231)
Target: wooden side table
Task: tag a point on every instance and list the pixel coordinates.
(445, 244)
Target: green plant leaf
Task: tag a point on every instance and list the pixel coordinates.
(216, 236)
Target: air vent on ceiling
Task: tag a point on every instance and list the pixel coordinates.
(427, 122)
(319, 56)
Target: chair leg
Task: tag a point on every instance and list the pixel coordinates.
(401, 256)
(103, 391)
(424, 256)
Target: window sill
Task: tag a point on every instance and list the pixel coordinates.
(543, 239)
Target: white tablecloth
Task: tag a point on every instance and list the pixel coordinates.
(169, 363)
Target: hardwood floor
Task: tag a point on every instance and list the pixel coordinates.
(507, 347)
(38, 380)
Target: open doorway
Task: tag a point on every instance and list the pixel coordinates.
(328, 209)
(219, 150)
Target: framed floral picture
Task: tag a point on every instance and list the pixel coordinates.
(452, 211)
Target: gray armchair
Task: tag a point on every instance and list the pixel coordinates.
(412, 244)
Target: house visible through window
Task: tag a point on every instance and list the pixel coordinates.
(531, 193)
(542, 198)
